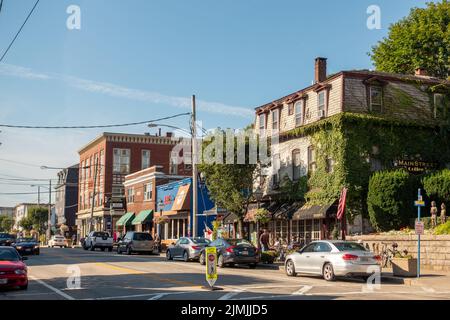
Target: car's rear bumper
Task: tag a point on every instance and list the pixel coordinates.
(104, 245)
(28, 251)
(241, 259)
(351, 269)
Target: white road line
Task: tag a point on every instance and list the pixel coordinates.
(231, 294)
(158, 296)
(62, 294)
(302, 291)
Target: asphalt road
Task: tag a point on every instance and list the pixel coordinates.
(109, 276)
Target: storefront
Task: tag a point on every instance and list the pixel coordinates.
(143, 222)
(124, 224)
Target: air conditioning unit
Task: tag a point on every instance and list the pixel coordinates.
(321, 114)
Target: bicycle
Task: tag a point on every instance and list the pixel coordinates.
(388, 254)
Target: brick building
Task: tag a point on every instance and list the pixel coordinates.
(67, 199)
(117, 155)
(140, 192)
(340, 129)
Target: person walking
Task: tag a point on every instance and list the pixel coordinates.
(433, 211)
(264, 240)
(443, 213)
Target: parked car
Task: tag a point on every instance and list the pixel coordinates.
(98, 239)
(141, 242)
(331, 259)
(27, 246)
(57, 241)
(6, 239)
(233, 251)
(188, 248)
(13, 272)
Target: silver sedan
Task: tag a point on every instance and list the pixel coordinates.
(333, 258)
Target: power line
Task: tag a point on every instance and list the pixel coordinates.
(21, 163)
(95, 126)
(18, 32)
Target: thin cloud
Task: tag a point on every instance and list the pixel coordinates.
(118, 91)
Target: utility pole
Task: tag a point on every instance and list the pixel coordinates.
(39, 196)
(49, 216)
(194, 170)
(91, 224)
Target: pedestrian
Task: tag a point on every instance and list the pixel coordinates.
(433, 211)
(264, 240)
(443, 213)
(74, 240)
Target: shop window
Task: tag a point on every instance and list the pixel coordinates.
(376, 99)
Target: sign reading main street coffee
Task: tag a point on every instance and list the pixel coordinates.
(415, 166)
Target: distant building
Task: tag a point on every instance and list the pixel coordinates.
(117, 155)
(20, 212)
(66, 204)
(7, 211)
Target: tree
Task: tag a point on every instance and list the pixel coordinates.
(390, 199)
(230, 185)
(26, 223)
(6, 223)
(422, 39)
(36, 219)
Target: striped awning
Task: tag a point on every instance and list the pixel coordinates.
(126, 219)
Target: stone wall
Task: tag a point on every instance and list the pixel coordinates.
(434, 252)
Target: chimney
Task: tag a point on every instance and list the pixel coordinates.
(320, 70)
(159, 131)
(421, 72)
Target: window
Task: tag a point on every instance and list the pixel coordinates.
(311, 159)
(290, 107)
(130, 198)
(275, 171)
(145, 159)
(148, 189)
(376, 98)
(262, 122)
(121, 161)
(439, 106)
(321, 103)
(173, 167)
(275, 119)
(296, 165)
(330, 165)
(117, 191)
(299, 113)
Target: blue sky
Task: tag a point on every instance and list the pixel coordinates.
(137, 60)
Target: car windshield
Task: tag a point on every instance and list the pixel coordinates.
(26, 240)
(349, 246)
(237, 242)
(142, 237)
(200, 241)
(8, 255)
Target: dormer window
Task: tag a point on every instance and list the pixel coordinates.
(299, 113)
(376, 98)
(321, 103)
(275, 119)
(262, 122)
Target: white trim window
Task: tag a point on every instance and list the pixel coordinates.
(145, 159)
(148, 191)
(298, 113)
(130, 195)
(275, 119)
(376, 98)
(262, 123)
(121, 161)
(296, 165)
(321, 101)
(312, 166)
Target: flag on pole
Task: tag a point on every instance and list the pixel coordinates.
(208, 231)
(341, 207)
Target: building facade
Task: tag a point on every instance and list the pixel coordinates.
(20, 212)
(107, 160)
(66, 203)
(336, 132)
(7, 211)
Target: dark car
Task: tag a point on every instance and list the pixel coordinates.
(140, 242)
(233, 251)
(13, 272)
(27, 246)
(6, 239)
(188, 248)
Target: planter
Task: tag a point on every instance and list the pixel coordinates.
(404, 267)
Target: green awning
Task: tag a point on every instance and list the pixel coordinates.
(143, 217)
(126, 219)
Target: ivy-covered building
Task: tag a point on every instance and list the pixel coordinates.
(341, 129)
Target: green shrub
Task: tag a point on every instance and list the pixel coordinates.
(268, 256)
(390, 199)
(438, 185)
(443, 228)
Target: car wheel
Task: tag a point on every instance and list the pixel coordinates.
(252, 265)
(328, 272)
(25, 287)
(129, 251)
(91, 248)
(290, 269)
(110, 249)
(169, 255)
(202, 259)
(185, 256)
(118, 250)
(220, 262)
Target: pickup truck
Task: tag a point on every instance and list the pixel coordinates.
(98, 239)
